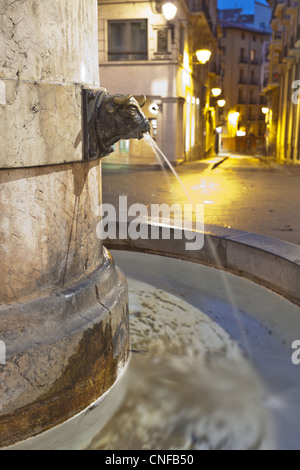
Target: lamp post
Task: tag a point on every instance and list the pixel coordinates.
(203, 55)
(221, 102)
(216, 92)
(169, 11)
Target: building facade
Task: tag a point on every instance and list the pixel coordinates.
(142, 53)
(259, 19)
(282, 87)
(243, 51)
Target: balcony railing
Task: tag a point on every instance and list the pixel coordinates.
(198, 6)
(297, 39)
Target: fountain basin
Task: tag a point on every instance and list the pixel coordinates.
(242, 290)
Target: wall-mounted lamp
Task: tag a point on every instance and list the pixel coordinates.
(203, 56)
(169, 11)
(154, 108)
(216, 92)
(265, 110)
(221, 103)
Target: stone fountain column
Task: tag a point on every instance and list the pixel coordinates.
(63, 304)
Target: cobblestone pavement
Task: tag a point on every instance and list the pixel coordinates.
(243, 193)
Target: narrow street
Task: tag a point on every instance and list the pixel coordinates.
(242, 192)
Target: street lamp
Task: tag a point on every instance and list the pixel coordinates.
(203, 55)
(265, 110)
(221, 103)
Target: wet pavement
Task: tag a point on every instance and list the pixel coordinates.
(240, 192)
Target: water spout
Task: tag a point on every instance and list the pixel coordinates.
(110, 118)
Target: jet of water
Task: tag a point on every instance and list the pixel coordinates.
(162, 158)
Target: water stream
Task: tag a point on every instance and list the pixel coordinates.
(208, 370)
(163, 160)
(190, 384)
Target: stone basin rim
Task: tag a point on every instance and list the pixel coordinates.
(270, 262)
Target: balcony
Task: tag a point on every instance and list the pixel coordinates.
(200, 15)
(243, 60)
(284, 56)
(279, 8)
(292, 8)
(286, 20)
(242, 81)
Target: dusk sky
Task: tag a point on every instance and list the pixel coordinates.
(247, 5)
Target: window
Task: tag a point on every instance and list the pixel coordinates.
(128, 40)
(242, 77)
(253, 55)
(243, 35)
(254, 38)
(242, 55)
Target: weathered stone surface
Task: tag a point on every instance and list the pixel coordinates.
(43, 122)
(48, 228)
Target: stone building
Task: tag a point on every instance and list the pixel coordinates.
(243, 51)
(140, 52)
(282, 87)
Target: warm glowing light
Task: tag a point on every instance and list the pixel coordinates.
(169, 11)
(233, 118)
(219, 130)
(154, 108)
(265, 110)
(216, 92)
(240, 133)
(221, 103)
(203, 56)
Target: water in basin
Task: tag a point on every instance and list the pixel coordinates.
(210, 363)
